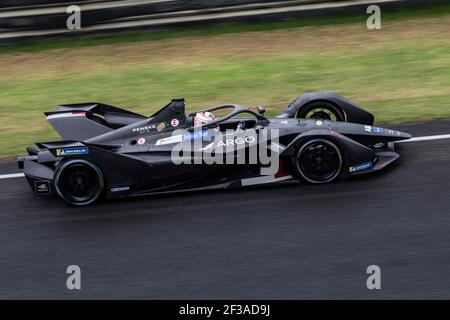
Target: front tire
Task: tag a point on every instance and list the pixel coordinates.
(318, 161)
(321, 110)
(79, 182)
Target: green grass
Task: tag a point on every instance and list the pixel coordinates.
(398, 80)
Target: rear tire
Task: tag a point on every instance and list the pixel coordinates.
(321, 110)
(318, 161)
(79, 182)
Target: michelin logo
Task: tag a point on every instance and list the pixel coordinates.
(360, 167)
(72, 151)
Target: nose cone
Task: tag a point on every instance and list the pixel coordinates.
(370, 132)
(397, 135)
(406, 135)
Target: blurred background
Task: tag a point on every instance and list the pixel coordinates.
(140, 54)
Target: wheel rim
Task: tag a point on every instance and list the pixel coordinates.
(79, 182)
(319, 161)
(322, 114)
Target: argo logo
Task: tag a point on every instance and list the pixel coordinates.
(232, 142)
(249, 139)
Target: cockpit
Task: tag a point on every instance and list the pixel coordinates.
(224, 117)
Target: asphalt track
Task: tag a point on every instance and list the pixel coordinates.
(290, 242)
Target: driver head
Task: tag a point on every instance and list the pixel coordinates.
(203, 117)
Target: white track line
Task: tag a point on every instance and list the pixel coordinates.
(12, 175)
(426, 138)
(416, 139)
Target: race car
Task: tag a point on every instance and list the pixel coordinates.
(108, 152)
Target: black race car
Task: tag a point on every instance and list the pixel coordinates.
(110, 152)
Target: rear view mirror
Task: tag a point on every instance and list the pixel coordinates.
(261, 110)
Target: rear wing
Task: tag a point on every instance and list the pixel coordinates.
(86, 120)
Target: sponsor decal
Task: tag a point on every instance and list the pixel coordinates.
(373, 129)
(72, 151)
(145, 129)
(237, 141)
(118, 189)
(377, 130)
(188, 136)
(42, 188)
(141, 141)
(197, 135)
(169, 140)
(174, 122)
(319, 122)
(392, 132)
(360, 167)
(161, 126)
(232, 142)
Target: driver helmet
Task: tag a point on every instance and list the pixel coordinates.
(203, 117)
